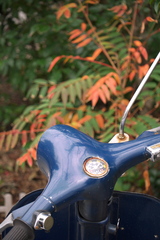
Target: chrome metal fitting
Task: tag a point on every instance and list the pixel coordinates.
(154, 150)
(44, 220)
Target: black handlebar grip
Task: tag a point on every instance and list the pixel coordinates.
(20, 231)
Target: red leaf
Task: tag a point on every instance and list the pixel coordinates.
(84, 43)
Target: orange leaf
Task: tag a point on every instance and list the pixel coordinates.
(71, 5)
(96, 86)
(79, 39)
(119, 9)
(84, 43)
(146, 179)
(54, 62)
(94, 98)
(143, 70)
(29, 159)
(132, 50)
(2, 138)
(127, 89)
(60, 12)
(149, 19)
(92, 1)
(137, 57)
(64, 10)
(50, 92)
(111, 83)
(106, 91)
(96, 53)
(33, 153)
(22, 159)
(131, 75)
(143, 51)
(75, 34)
(102, 95)
(83, 26)
(85, 119)
(137, 43)
(32, 131)
(75, 118)
(91, 30)
(81, 9)
(143, 26)
(115, 9)
(115, 75)
(67, 13)
(100, 120)
(24, 138)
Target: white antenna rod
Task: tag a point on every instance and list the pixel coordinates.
(121, 129)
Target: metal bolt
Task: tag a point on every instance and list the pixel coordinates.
(44, 221)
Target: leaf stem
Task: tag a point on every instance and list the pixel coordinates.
(98, 40)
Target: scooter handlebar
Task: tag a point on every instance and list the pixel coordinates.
(62, 155)
(20, 231)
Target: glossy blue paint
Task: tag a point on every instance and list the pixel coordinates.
(62, 151)
(138, 216)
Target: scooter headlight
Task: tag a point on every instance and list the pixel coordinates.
(96, 167)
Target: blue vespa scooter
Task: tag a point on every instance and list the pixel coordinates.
(79, 201)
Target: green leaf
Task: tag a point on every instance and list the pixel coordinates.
(64, 95)
(94, 124)
(43, 92)
(151, 85)
(54, 100)
(78, 90)
(140, 127)
(89, 128)
(40, 81)
(155, 76)
(72, 93)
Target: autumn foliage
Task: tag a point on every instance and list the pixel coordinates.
(114, 59)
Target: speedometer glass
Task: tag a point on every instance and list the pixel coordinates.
(96, 167)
